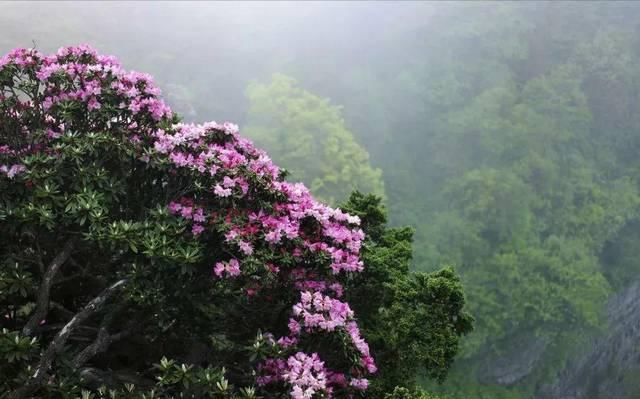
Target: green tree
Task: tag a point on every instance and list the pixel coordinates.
(307, 135)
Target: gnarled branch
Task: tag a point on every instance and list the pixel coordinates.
(60, 339)
(42, 303)
(103, 338)
(101, 344)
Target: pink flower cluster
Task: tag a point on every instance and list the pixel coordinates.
(316, 311)
(187, 210)
(306, 374)
(22, 57)
(290, 227)
(78, 76)
(230, 268)
(91, 82)
(319, 286)
(366, 359)
(13, 170)
(229, 164)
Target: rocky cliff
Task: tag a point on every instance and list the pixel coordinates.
(610, 369)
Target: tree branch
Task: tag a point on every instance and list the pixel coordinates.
(60, 339)
(101, 344)
(42, 304)
(39, 253)
(103, 339)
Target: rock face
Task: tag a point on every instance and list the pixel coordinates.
(520, 357)
(611, 368)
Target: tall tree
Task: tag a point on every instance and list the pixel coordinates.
(307, 135)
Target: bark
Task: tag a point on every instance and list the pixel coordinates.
(61, 338)
(42, 303)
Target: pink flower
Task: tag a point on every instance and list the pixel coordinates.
(197, 229)
(294, 327)
(306, 374)
(174, 207)
(221, 192)
(337, 288)
(369, 364)
(287, 341)
(245, 247)
(360, 384)
(272, 237)
(228, 182)
(219, 269)
(93, 104)
(185, 212)
(230, 235)
(198, 215)
(12, 171)
(53, 134)
(231, 268)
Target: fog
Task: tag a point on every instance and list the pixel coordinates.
(215, 48)
(504, 133)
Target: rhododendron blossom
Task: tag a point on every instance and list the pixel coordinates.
(305, 246)
(231, 268)
(306, 374)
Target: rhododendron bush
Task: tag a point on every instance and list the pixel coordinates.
(128, 238)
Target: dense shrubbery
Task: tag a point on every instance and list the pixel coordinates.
(128, 238)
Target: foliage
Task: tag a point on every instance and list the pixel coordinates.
(126, 236)
(526, 182)
(308, 135)
(404, 393)
(413, 321)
